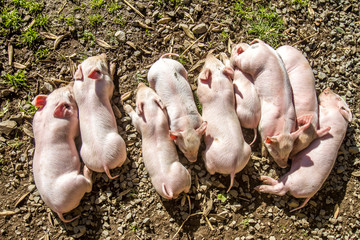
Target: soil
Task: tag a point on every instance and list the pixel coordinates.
(327, 32)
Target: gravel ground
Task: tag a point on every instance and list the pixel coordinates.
(328, 34)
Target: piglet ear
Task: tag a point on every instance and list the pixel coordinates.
(95, 73)
(270, 140)
(78, 74)
(229, 72)
(39, 101)
(201, 130)
(174, 135)
(346, 113)
(205, 75)
(62, 110)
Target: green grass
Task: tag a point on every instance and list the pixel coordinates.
(70, 21)
(31, 6)
(222, 197)
(95, 19)
(17, 80)
(97, 3)
(197, 102)
(119, 20)
(302, 3)
(89, 37)
(225, 36)
(113, 7)
(245, 223)
(134, 226)
(31, 110)
(263, 22)
(42, 53)
(10, 19)
(42, 20)
(30, 37)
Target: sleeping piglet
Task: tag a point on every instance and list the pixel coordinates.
(169, 79)
(278, 120)
(56, 163)
(312, 166)
(305, 101)
(161, 160)
(226, 150)
(102, 147)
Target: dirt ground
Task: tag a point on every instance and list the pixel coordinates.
(67, 32)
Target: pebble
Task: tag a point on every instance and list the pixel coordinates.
(31, 187)
(321, 75)
(200, 28)
(7, 126)
(120, 36)
(293, 203)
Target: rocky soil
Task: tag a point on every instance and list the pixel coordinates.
(327, 32)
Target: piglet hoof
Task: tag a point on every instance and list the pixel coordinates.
(268, 180)
(128, 108)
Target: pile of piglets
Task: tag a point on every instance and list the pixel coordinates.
(81, 108)
(267, 90)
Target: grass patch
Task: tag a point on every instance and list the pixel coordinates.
(262, 22)
(31, 6)
(225, 36)
(119, 20)
(29, 37)
(197, 102)
(302, 3)
(17, 80)
(97, 3)
(42, 20)
(30, 109)
(42, 53)
(89, 37)
(113, 7)
(10, 19)
(95, 19)
(70, 21)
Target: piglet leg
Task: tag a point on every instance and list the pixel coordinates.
(273, 187)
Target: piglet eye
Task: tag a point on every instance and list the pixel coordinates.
(67, 106)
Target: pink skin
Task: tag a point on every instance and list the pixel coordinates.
(161, 160)
(277, 123)
(311, 167)
(247, 102)
(226, 150)
(102, 147)
(306, 105)
(56, 163)
(169, 79)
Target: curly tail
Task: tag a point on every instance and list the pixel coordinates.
(64, 220)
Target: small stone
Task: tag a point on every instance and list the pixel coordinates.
(27, 217)
(340, 169)
(7, 126)
(293, 203)
(272, 238)
(257, 226)
(354, 150)
(234, 193)
(200, 28)
(121, 36)
(36, 199)
(146, 221)
(31, 187)
(128, 216)
(48, 86)
(321, 75)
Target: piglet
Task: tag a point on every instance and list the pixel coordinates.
(226, 150)
(169, 79)
(161, 160)
(312, 166)
(102, 147)
(56, 163)
(247, 102)
(278, 120)
(306, 105)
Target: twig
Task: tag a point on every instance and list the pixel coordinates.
(133, 8)
(194, 214)
(304, 39)
(202, 36)
(207, 220)
(189, 203)
(62, 8)
(21, 198)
